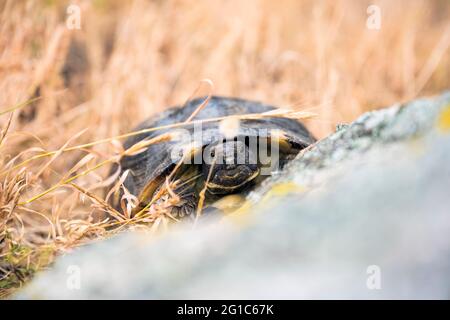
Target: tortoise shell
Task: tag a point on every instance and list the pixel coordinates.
(148, 169)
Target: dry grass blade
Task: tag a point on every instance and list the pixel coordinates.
(105, 206)
(433, 61)
(4, 132)
(58, 153)
(204, 103)
(66, 181)
(19, 105)
(201, 199)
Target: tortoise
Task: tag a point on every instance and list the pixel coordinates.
(234, 166)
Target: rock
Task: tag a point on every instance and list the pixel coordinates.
(364, 213)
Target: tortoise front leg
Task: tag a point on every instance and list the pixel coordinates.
(186, 190)
(186, 208)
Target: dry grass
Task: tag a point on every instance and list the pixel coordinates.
(63, 89)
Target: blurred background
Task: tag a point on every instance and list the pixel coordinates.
(63, 84)
(131, 59)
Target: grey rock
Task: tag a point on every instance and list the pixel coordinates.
(370, 219)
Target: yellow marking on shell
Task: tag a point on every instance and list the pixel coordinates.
(443, 122)
(149, 189)
(281, 138)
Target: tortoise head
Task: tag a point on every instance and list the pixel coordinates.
(233, 167)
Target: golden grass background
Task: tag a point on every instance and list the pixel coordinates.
(132, 59)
